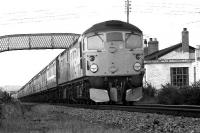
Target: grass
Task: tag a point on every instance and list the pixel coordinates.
(147, 100)
(44, 120)
(149, 95)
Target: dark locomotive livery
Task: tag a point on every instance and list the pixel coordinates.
(104, 65)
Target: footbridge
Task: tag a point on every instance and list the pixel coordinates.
(37, 41)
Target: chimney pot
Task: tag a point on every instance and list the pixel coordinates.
(152, 46)
(145, 41)
(185, 40)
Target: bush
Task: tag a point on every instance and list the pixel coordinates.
(169, 95)
(196, 84)
(186, 94)
(149, 90)
(191, 94)
(6, 97)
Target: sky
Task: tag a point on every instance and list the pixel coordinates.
(159, 19)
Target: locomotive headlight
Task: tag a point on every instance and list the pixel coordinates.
(94, 68)
(137, 66)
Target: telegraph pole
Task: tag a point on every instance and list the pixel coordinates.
(127, 9)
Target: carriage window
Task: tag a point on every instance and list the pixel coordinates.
(114, 36)
(133, 41)
(95, 42)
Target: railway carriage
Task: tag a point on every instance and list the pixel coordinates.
(104, 65)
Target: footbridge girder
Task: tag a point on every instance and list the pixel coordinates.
(37, 41)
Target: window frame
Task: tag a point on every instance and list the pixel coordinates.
(179, 75)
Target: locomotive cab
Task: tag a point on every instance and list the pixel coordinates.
(104, 49)
(114, 64)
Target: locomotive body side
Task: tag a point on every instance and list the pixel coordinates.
(74, 57)
(70, 74)
(51, 75)
(63, 67)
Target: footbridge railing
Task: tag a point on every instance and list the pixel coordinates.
(37, 41)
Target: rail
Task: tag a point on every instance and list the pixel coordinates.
(176, 110)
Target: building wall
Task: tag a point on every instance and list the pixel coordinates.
(192, 55)
(176, 54)
(158, 74)
(198, 71)
(196, 64)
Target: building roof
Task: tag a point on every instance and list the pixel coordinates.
(165, 51)
(113, 25)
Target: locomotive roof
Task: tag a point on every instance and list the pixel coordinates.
(113, 25)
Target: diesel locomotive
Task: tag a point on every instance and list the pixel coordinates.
(104, 65)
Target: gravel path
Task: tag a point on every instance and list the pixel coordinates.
(135, 122)
(42, 118)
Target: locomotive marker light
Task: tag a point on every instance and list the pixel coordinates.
(113, 69)
(138, 56)
(92, 58)
(137, 66)
(94, 68)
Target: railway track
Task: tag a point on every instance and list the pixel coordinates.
(176, 110)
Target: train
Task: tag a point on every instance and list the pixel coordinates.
(104, 65)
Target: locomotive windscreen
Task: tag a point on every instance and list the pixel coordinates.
(133, 41)
(114, 36)
(95, 42)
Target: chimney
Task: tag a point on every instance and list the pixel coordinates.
(145, 47)
(185, 40)
(152, 46)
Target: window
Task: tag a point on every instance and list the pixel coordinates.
(179, 76)
(95, 42)
(133, 41)
(114, 36)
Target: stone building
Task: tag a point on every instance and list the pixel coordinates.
(176, 65)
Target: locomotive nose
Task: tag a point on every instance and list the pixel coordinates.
(113, 69)
(112, 49)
